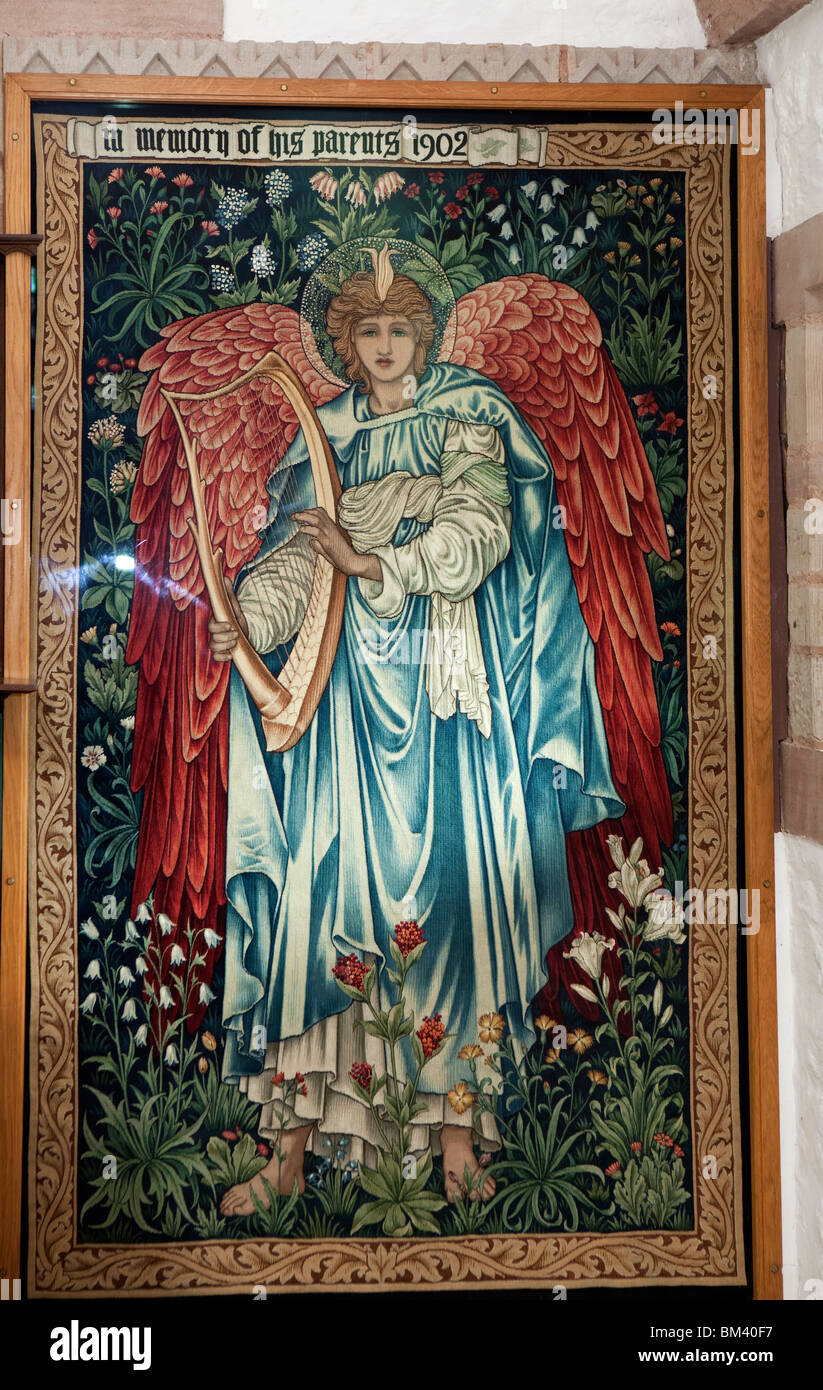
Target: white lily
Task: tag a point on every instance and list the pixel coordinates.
(143, 914)
(558, 186)
(89, 929)
(665, 917)
(506, 231)
(497, 213)
(514, 256)
(165, 923)
(178, 955)
(89, 1004)
(546, 203)
(93, 970)
(592, 221)
(549, 233)
(657, 999)
(211, 938)
(579, 236)
(141, 1035)
(132, 934)
(130, 1010)
(530, 188)
(140, 965)
(587, 951)
(125, 976)
(170, 1055)
(166, 1000)
(205, 995)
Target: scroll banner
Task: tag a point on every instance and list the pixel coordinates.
(113, 138)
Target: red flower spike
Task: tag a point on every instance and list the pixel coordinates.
(278, 1078)
(431, 1034)
(350, 971)
(361, 1074)
(612, 1169)
(407, 935)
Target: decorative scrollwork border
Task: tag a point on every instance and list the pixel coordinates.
(710, 1254)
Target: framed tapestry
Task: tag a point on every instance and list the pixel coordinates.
(401, 736)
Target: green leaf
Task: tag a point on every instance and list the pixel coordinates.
(370, 1214)
(372, 1182)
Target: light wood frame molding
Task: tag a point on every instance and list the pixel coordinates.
(751, 312)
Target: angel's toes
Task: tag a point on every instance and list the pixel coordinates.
(237, 1200)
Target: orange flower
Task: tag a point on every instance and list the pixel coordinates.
(155, 172)
(598, 1078)
(671, 628)
(551, 1056)
(491, 1028)
(461, 1098)
(183, 180)
(116, 175)
(469, 1051)
(544, 1024)
(580, 1041)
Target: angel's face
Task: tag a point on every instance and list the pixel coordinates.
(386, 344)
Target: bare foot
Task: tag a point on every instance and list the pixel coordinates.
(282, 1173)
(462, 1173)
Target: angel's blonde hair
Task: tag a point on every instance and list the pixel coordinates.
(358, 299)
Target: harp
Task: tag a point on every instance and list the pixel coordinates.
(286, 702)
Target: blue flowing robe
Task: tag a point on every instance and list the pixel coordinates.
(381, 800)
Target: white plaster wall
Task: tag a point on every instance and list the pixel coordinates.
(587, 23)
(790, 58)
(798, 884)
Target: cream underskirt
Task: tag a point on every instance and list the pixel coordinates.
(335, 1105)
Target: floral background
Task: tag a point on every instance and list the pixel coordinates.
(594, 1118)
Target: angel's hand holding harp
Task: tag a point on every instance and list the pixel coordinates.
(223, 636)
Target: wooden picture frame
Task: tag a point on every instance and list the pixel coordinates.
(756, 737)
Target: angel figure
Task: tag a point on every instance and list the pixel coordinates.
(489, 717)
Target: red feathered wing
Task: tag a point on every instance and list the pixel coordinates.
(541, 343)
(181, 724)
